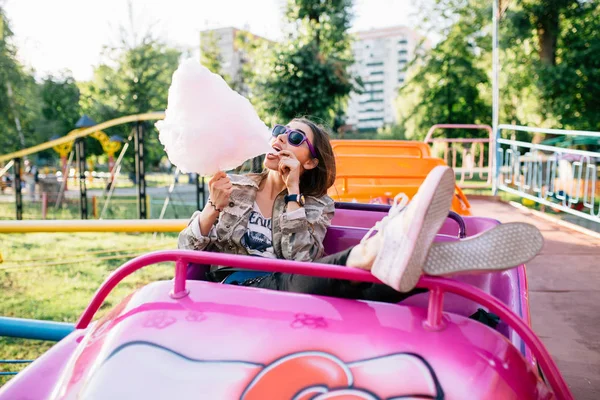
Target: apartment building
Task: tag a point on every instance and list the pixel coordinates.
(232, 56)
(381, 57)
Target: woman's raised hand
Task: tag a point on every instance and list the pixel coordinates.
(220, 188)
(290, 170)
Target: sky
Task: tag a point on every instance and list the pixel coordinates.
(54, 35)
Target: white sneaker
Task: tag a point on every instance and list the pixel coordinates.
(400, 202)
(408, 231)
(502, 247)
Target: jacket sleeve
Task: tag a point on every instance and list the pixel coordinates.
(303, 230)
(191, 238)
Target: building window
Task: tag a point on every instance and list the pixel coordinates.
(374, 64)
(371, 101)
(370, 119)
(402, 41)
(402, 52)
(377, 73)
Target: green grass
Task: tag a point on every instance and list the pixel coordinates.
(30, 289)
(153, 179)
(120, 207)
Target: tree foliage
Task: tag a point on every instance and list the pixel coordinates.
(551, 76)
(134, 79)
(549, 72)
(210, 55)
(448, 86)
(309, 71)
(570, 86)
(60, 103)
(59, 109)
(254, 62)
(19, 95)
(42, 110)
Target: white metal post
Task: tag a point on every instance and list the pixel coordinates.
(495, 95)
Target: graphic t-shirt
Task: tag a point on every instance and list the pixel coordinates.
(258, 239)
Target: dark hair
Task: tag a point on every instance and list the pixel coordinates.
(316, 181)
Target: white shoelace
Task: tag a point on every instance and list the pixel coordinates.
(399, 204)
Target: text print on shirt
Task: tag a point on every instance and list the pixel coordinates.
(258, 239)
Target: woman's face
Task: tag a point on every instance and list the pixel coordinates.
(302, 152)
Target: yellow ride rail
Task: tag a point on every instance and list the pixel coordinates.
(112, 225)
(83, 133)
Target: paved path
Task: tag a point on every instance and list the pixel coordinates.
(564, 293)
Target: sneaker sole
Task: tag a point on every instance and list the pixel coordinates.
(502, 247)
(399, 263)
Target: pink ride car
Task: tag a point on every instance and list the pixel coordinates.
(192, 339)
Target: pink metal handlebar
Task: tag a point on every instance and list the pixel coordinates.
(437, 286)
(434, 321)
(481, 141)
(182, 257)
(460, 126)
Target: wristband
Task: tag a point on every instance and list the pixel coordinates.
(214, 206)
(298, 198)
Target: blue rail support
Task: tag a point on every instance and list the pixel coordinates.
(10, 373)
(34, 329)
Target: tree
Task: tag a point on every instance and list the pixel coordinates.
(449, 85)
(570, 85)
(544, 17)
(138, 83)
(553, 43)
(19, 97)
(60, 103)
(254, 59)
(134, 78)
(59, 109)
(309, 71)
(549, 72)
(210, 55)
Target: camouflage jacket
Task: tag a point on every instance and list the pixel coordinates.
(296, 236)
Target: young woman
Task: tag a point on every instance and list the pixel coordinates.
(284, 213)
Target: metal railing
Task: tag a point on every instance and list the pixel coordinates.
(475, 169)
(563, 179)
(13, 362)
(31, 329)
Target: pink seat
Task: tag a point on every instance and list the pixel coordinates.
(350, 225)
(507, 286)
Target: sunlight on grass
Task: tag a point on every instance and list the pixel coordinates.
(30, 288)
(121, 207)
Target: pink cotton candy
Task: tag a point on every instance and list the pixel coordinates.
(209, 127)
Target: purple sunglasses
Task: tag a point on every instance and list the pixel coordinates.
(295, 137)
